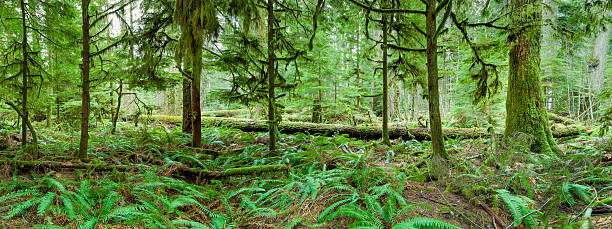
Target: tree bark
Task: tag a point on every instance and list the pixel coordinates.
(525, 104)
(82, 154)
(437, 142)
(186, 89)
(116, 115)
(597, 65)
(196, 61)
(24, 73)
(272, 125)
(385, 108)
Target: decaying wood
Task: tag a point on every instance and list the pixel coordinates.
(497, 219)
(359, 131)
(181, 170)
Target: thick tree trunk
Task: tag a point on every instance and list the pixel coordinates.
(272, 126)
(385, 109)
(597, 65)
(116, 115)
(437, 142)
(549, 52)
(525, 105)
(82, 154)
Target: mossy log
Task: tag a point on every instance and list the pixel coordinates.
(555, 118)
(359, 131)
(223, 113)
(240, 171)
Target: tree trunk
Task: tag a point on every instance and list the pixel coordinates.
(82, 154)
(437, 142)
(597, 64)
(186, 88)
(385, 108)
(525, 105)
(196, 61)
(271, 78)
(24, 73)
(317, 109)
(116, 115)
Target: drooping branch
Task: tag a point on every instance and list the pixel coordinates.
(389, 11)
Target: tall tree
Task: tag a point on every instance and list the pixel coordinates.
(385, 72)
(85, 55)
(272, 127)
(196, 18)
(525, 105)
(597, 65)
(24, 73)
(431, 31)
(89, 23)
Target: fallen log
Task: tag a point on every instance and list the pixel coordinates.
(182, 170)
(223, 113)
(359, 131)
(555, 118)
(241, 171)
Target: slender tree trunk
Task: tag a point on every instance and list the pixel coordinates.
(24, 91)
(186, 89)
(439, 155)
(82, 154)
(24, 73)
(271, 78)
(385, 108)
(525, 105)
(196, 61)
(317, 109)
(116, 115)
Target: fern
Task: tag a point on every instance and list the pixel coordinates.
(19, 193)
(583, 192)
(47, 227)
(21, 208)
(519, 208)
(45, 202)
(191, 224)
(425, 223)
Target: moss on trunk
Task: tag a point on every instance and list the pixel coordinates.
(525, 105)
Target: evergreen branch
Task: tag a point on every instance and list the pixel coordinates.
(378, 10)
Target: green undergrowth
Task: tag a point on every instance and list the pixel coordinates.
(332, 182)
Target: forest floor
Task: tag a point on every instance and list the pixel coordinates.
(148, 177)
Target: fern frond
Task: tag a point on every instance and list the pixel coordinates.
(330, 208)
(189, 223)
(52, 182)
(68, 207)
(21, 208)
(90, 224)
(108, 203)
(519, 208)
(48, 227)
(19, 193)
(425, 223)
(45, 202)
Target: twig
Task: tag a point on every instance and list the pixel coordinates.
(498, 221)
(455, 209)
